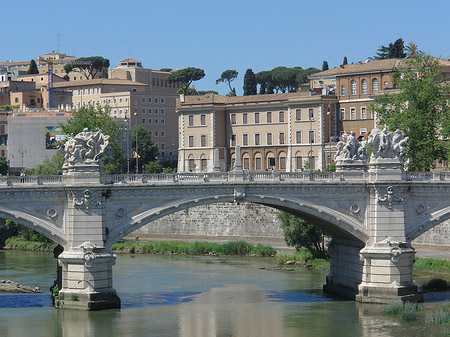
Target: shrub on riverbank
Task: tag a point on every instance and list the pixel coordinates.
(407, 311)
(19, 244)
(303, 258)
(192, 248)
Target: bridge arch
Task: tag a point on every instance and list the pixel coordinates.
(33, 222)
(333, 222)
(435, 218)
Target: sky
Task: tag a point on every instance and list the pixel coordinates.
(217, 35)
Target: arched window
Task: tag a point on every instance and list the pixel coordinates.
(258, 161)
(203, 163)
(374, 85)
(298, 161)
(364, 86)
(282, 161)
(191, 163)
(353, 85)
(270, 160)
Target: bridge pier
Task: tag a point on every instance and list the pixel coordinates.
(87, 278)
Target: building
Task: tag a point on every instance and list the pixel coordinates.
(31, 137)
(282, 132)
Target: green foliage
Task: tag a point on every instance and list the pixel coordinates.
(88, 66)
(192, 248)
(147, 150)
(205, 92)
(303, 258)
(420, 109)
(94, 118)
(299, 233)
(436, 284)
(49, 166)
(6, 108)
(153, 167)
(185, 77)
(227, 77)
(407, 310)
(250, 85)
(393, 50)
(167, 70)
(283, 79)
(3, 165)
(32, 69)
(412, 50)
(345, 61)
(74, 297)
(25, 233)
(440, 316)
(425, 263)
(20, 244)
(325, 66)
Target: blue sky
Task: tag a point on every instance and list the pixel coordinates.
(217, 35)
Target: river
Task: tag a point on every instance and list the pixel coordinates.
(195, 297)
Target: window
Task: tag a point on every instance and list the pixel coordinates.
(269, 117)
(256, 117)
(269, 138)
(143, 120)
(311, 136)
(353, 84)
(374, 85)
(162, 100)
(163, 111)
(281, 138)
(282, 163)
(149, 99)
(363, 113)
(203, 140)
(156, 121)
(281, 116)
(233, 140)
(120, 100)
(203, 161)
(311, 114)
(150, 121)
(162, 146)
(126, 100)
(149, 110)
(342, 90)
(298, 114)
(191, 141)
(156, 134)
(233, 118)
(191, 164)
(257, 139)
(16, 100)
(156, 99)
(298, 162)
(342, 114)
(150, 132)
(202, 119)
(156, 111)
(298, 137)
(246, 163)
(191, 120)
(352, 113)
(143, 110)
(244, 119)
(163, 121)
(364, 87)
(163, 133)
(386, 84)
(258, 164)
(143, 99)
(245, 139)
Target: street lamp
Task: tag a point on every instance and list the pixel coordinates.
(311, 117)
(329, 138)
(22, 153)
(127, 129)
(137, 155)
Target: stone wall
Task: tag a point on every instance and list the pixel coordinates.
(244, 221)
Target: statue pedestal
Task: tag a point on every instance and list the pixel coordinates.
(350, 165)
(91, 173)
(386, 169)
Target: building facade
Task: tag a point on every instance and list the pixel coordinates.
(280, 132)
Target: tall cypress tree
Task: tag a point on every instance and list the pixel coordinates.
(325, 66)
(32, 69)
(249, 83)
(345, 60)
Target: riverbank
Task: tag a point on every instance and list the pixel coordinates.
(7, 286)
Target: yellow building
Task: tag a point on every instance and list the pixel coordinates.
(281, 132)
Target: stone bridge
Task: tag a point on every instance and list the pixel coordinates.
(371, 216)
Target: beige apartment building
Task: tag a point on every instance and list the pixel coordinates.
(280, 132)
(356, 86)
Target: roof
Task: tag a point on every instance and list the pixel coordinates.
(369, 66)
(97, 81)
(130, 60)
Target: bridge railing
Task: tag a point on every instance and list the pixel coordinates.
(428, 176)
(33, 180)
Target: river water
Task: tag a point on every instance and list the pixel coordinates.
(195, 297)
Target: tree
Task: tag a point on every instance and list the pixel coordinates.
(250, 83)
(394, 50)
(88, 66)
(325, 66)
(3, 166)
(147, 150)
(345, 60)
(94, 118)
(50, 167)
(412, 50)
(153, 167)
(228, 76)
(420, 109)
(32, 69)
(299, 233)
(185, 77)
(167, 70)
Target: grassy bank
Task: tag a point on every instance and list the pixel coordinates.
(303, 258)
(19, 244)
(241, 248)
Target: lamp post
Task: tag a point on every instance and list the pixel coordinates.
(310, 142)
(127, 129)
(22, 153)
(136, 153)
(329, 138)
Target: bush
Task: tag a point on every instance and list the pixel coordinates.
(436, 284)
(407, 311)
(441, 316)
